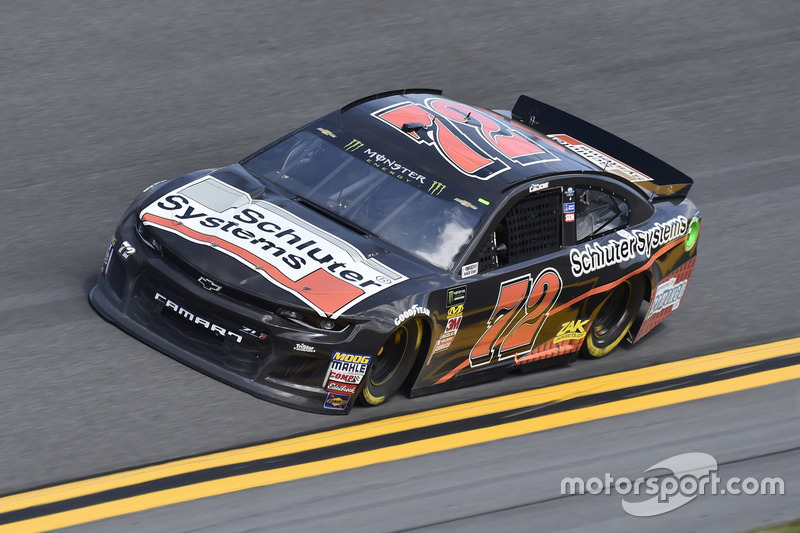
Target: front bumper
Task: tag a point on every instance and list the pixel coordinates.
(251, 349)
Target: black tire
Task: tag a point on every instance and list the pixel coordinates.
(391, 365)
(613, 319)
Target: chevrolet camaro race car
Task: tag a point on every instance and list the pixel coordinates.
(405, 238)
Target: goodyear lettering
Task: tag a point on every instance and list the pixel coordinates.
(415, 310)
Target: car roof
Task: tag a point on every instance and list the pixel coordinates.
(456, 132)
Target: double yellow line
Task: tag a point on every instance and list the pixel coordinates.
(398, 424)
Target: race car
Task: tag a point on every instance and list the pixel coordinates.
(404, 240)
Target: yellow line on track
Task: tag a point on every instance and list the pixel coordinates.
(372, 429)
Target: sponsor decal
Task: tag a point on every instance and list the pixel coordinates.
(347, 368)
(455, 310)
(536, 187)
(475, 142)
(209, 284)
(353, 145)
(318, 268)
(469, 270)
(415, 310)
(442, 344)
(569, 217)
(300, 347)
(466, 204)
(638, 243)
(107, 258)
(196, 319)
(573, 330)
(152, 186)
(452, 325)
(336, 401)
(456, 295)
(569, 207)
(327, 132)
(393, 167)
(668, 294)
(436, 188)
(604, 161)
(450, 330)
(342, 388)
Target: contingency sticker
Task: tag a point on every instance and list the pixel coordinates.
(345, 372)
(322, 270)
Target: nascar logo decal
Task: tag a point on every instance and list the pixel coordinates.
(320, 269)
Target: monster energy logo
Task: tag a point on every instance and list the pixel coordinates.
(353, 145)
(436, 188)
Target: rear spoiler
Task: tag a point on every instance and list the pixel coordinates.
(664, 180)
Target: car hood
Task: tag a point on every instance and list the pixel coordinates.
(267, 246)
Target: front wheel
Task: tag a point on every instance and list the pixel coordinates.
(391, 365)
(614, 319)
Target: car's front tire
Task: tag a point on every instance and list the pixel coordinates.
(614, 318)
(393, 362)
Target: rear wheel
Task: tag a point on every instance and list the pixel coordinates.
(391, 365)
(614, 319)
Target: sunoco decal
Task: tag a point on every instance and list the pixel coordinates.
(604, 161)
(327, 273)
(632, 244)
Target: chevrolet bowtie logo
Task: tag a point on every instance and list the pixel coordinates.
(208, 284)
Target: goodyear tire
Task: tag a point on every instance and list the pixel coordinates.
(614, 319)
(392, 363)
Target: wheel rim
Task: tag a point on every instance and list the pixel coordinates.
(613, 315)
(389, 357)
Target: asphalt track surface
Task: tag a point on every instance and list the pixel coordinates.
(99, 100)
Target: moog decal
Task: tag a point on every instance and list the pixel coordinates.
(317, 267)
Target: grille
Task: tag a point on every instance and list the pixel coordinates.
(534, 226)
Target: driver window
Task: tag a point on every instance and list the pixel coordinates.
(598, 212)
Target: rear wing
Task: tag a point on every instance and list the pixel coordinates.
(605, 149)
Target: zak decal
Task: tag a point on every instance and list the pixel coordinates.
(573, 330)
(604, 161)
(327, 273)
(475, 142)
(632, 244)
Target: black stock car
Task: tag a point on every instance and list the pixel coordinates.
(404, 238)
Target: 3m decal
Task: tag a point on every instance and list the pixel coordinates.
(521, 309)
(336, 401)
(595, 256)
(574, 330)
(325, 272)
(604, 161)
(415, 310)
(450, 331)
(475, 142)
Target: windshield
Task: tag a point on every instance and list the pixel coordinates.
(385, 197)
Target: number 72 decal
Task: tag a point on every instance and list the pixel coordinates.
(521, 309)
